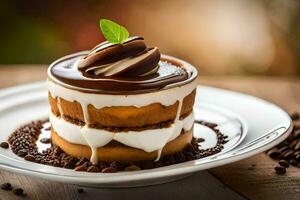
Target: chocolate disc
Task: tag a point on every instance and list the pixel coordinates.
(131, 59)
(106, 53)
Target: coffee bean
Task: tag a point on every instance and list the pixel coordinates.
(18, 191)
(288, 154)
(284, 163)
(293, 144)
(293, 162)
(45, 140)
(22, 153)
(6, 186)
(109, 170)
(199, 140)
(80, 190)
(93, 169)
(274, 153)
(210, 125)
(119, 166)
(80, 162)
(295, 116)
(297, 146)
(149, 164)
(297, 157)
(4, 145)
(296, 134)
(283, 149)
(102, 165)
(280, 170)
(29, 157)
(132, 168)
(81, 168)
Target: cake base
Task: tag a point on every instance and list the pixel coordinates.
(118, 152)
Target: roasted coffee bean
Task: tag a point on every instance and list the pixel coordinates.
(284, 163)
(210, 125)
(147, 165)
(109, 170)
(295, 116)
(280, 170)
(293, 162)
(118, 165)
(283, 149)
(297, 145)
(297, 157)
(81, 168)
(199, 140)
(6, 186)
(93, 169)
(293, 144)
(4, 145)
(29, 157)
(80, 190)
(288, 154)
(18, 191)
(45, 140)
(274, 153)
(80, 162)
(48, 128)
(132, 168)
(296, 134)
(102, 165)
(22, 153)
(158, 164)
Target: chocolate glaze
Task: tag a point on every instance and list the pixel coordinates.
(64, 72)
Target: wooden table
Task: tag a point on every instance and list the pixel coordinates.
(253, 178)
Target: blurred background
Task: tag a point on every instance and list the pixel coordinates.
(229, 37)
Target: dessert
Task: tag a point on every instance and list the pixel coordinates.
(121, 102)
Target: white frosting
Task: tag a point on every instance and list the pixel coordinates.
(147, 140)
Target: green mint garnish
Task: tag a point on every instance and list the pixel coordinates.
(113, 32)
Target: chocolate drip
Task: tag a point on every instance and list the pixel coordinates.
(131, 59)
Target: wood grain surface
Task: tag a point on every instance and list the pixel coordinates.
(252, 178)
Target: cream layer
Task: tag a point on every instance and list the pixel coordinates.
(147, 140)
(165, 97)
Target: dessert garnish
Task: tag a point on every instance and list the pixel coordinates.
(120, 55)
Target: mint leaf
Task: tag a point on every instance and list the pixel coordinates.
(113, 32)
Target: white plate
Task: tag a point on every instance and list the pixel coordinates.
(252, 125)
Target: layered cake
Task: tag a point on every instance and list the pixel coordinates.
(121, 102)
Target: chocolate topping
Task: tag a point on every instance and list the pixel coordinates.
(130, 68)
(130, 59)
